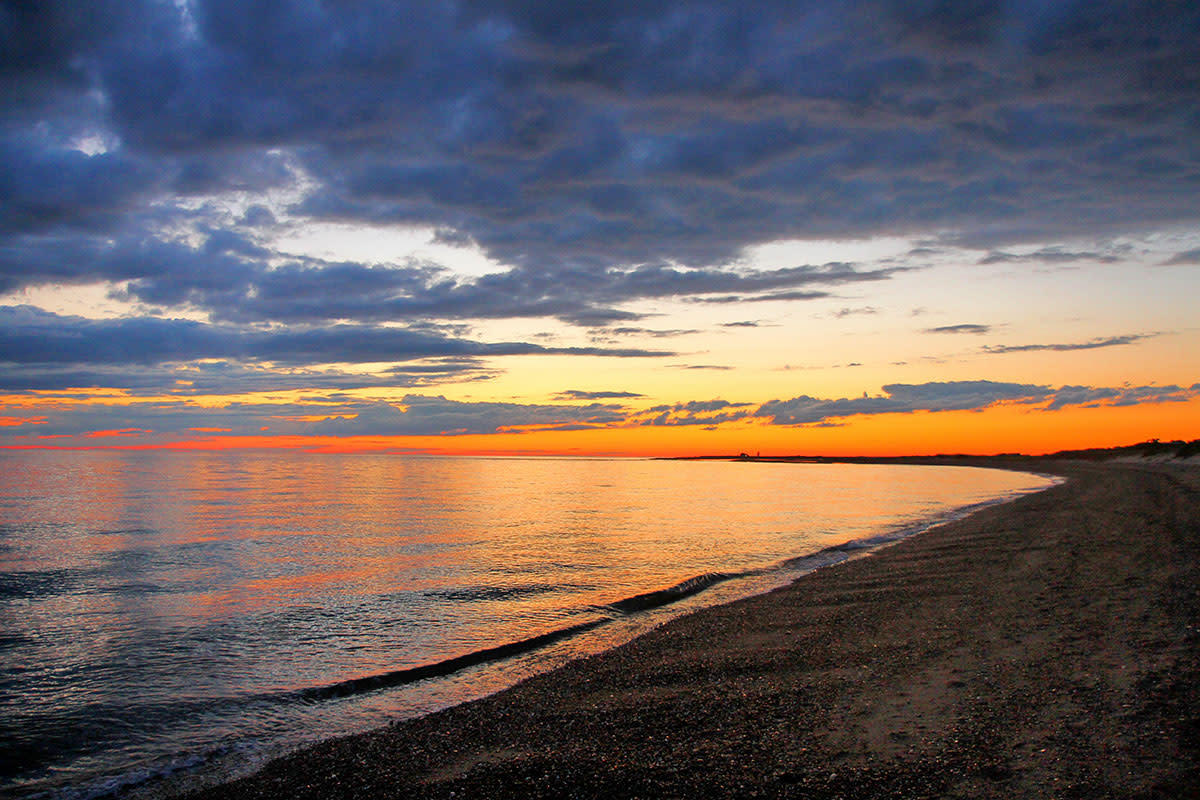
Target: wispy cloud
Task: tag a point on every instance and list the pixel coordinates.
(1093, 344)
(577, 394)
(855, 312)
(966, 327)
(1049, 255)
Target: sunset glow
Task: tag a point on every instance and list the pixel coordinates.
(627, 231)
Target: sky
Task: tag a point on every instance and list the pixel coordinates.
(599, 228)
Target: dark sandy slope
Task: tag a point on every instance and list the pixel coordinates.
(1043, 648)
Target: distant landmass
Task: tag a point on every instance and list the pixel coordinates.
(1151, 450)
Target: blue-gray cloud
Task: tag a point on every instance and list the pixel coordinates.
(235, 279)
(339, 414)
(228, 377)
(1184, 257)
(619, 133)
(602, 153)
(420, 415)
(1093, 344)
(413, 415)
(902, 398)
(707, 413)
(1049, 255)
(578, 394)
(33, 338)
(966, 327)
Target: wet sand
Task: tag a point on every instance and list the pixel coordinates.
(1047, 647)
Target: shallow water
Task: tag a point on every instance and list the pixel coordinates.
(173, 612)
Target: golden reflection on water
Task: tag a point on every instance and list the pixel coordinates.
(244, 531)
(139, 587)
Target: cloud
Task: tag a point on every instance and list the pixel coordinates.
(603, 156)
(1184, 257)
(34, 338)
(902, 398)
(851, 312)
(697, 412)
(1049, 255)
(1090, 397)
(413, 415)
(588, 139)
(899, 398)
(154, 419)
(657, 334)
(576, 394)
(419, 415)
(1094, 344)
(234, 278)
(966, 327)
(762, 298)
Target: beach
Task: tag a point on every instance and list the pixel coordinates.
(1046, 647)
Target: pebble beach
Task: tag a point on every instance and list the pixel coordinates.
(1047, 647)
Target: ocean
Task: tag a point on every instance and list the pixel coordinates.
(173, 618)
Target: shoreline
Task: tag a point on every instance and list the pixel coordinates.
(723, 701)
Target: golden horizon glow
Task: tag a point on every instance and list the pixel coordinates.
(1005, 428)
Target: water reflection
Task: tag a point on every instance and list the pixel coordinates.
(147, 597)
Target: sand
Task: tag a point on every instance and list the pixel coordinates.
(1043, 648)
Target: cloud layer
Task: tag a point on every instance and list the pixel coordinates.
(571, 142)
(600, 158)
(341, 415)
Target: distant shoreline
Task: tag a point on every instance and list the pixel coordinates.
(1155, 451)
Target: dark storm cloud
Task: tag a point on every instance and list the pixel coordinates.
(37, 338)
(1094, 344)
(45, 184)
(616, 134)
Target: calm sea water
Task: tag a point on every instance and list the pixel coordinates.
(168, 618)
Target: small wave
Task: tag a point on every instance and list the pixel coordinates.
(661, 597)
(124, 532)
(399, 677)
(39, 583)
(484, 593)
